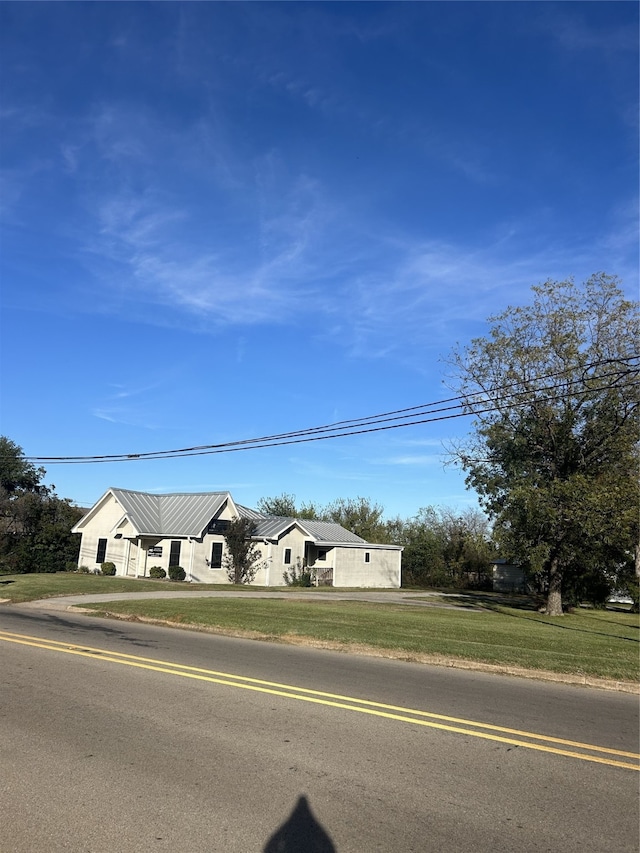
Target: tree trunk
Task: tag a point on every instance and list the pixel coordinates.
(554, 598)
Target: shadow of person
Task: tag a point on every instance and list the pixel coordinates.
(300, 833)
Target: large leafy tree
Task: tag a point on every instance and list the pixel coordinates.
(553, 456)
(35, 524)
(16, 473)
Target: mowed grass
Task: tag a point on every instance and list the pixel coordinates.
(588, 642)
(596, 643)
(19, 588)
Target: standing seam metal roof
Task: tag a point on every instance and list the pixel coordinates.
(188, 514)
(320, 531)
(170, 515)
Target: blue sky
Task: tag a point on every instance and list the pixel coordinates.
(225, 220)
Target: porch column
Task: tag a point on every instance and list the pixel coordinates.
(138, 558)
(191, 556)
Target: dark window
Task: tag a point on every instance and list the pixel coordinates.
(367, 557)
(174, 556)
(216, 555)
(218, 525)
(101, 553)
(322, 555)
(287, 556)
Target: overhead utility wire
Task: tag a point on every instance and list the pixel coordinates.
(338, 427)
(228, 448)
(371, 424)
(303, 436)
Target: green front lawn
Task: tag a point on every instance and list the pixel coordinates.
(590, 643)
(600, 643)
(19, 588)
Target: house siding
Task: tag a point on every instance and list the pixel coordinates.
(101, 526)
(294, 539)
(382, 571)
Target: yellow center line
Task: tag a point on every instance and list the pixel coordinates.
(365, 706)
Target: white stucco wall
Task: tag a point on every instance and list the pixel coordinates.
(382, 570)
(100, 526)
(295, 540)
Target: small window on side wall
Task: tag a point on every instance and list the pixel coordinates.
(216, 555)
(322, 555)
(287, 556)
(367, 557)
(101, 553)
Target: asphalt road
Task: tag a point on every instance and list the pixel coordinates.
(122, 737)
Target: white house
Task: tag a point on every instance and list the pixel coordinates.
(136, 531)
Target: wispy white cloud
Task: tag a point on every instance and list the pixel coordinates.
(165, 254)
(127, 417)
(420, 460)
(269, 245)
(419, 442)
(376, 296)
(569, 28)
(123, 392)
(620, 241)
(307, 468)
(14, 182)
(132, 405)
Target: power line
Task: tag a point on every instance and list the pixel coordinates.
(467, 404)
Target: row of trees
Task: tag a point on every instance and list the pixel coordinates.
(35, 524)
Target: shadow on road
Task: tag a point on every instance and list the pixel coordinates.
(300, 833)
(59, 622)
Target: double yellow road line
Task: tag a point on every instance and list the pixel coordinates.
(471, 728)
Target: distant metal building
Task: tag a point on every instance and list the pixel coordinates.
(507, 577)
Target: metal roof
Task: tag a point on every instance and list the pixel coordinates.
(328, 531)
(188, 514)
(272, 527)
(247, 512)
(170, 515)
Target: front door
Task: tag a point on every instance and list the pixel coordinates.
(132, 563)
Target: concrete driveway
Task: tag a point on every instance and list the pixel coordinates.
(416, 599)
